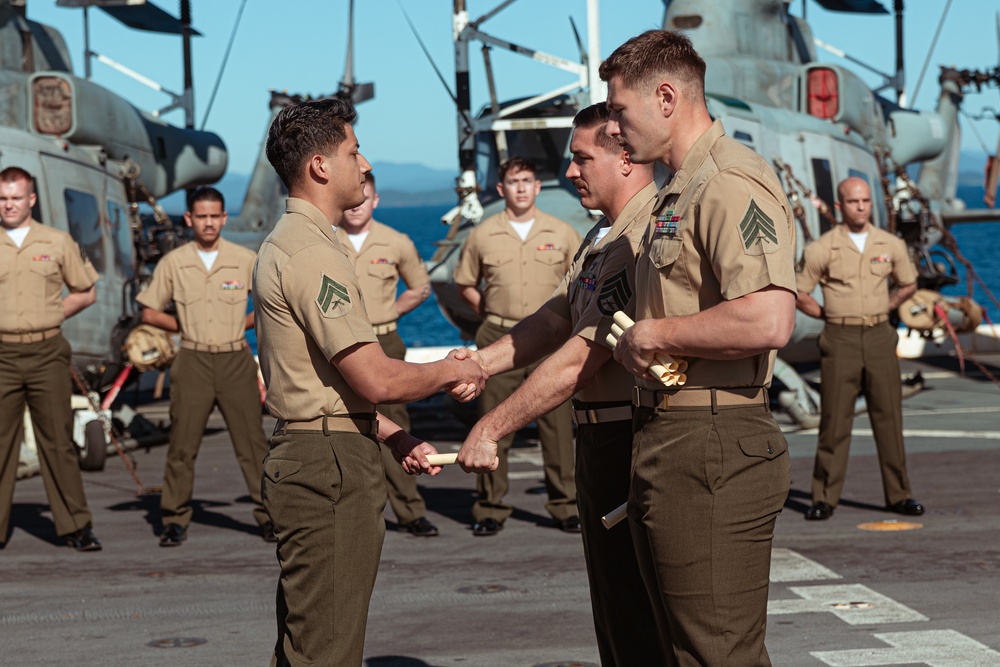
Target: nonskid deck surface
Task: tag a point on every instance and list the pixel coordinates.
(840, 594)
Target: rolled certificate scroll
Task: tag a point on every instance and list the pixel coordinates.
(442, 459)
(669, 371)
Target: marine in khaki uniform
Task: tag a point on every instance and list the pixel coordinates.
(323, 482)
(381, 256)
(209, 281)
(36, 262)
(852, 264)
(572, 326)
(717, 288)
(520, 255)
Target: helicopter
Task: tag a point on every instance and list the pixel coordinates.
(100, 166)
(816, 123)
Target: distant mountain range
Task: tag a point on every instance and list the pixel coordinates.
(413, 184)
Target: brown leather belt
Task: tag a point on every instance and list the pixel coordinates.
(29, 337)
(383, 329)
(501, 321)
(235, 346)
(693, 399)
(366, 424)
(863, 321)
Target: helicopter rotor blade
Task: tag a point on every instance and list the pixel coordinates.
(930, 51)
(584, 58)
(356, 92)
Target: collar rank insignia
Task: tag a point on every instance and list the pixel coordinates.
(232, 284)
(667, 223)
(382, 260)
(42, 258)
(881, 259)
(548, 246)
(333, 298)
(757, 231)
(587, 281)
(615, 295)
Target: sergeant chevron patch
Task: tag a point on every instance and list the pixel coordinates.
(615, 294)
(756, 226)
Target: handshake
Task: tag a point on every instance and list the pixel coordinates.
(470, 374)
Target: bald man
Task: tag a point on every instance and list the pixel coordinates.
(852, 264)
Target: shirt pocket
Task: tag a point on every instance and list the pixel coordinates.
(45, 280)
(496, 267)
(881, 269)
(383, 271)
(551, 258)
(664, 251)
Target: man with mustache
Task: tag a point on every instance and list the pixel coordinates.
(209, 281)
(573, 326)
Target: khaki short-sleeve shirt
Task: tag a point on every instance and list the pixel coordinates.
(32, 278)
(385, 256)
(211, 305)
(855, 283)
(309, 308)
(519, 275)
(721, 229)
(601, 282)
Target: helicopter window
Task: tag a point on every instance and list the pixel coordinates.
(823, 178)
(122, 234)
(84, 217)
(740, 135)
(685, 22)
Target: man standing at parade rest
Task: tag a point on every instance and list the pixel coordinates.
(209, 281)
(323, 483)
(35, 263)
(578, 317)
(520, 255)
(716, 287)
(852, 264)
(381, 256)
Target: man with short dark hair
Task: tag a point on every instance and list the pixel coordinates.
(572, 326)
(716, 288)
(209, 281)
(36, 262)
(323, 483)
(519, 255)
(852, 264)
(381, 256)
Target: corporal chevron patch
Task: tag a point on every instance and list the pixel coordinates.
(757, 231)
(615, 294)
(333, 299)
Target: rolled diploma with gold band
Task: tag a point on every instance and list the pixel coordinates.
(442, 459)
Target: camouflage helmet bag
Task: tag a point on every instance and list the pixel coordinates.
(148, 348)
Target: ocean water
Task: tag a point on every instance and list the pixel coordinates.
(426, 326)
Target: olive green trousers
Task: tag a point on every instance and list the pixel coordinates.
(198, 382)
(555, 430)
(37, 374)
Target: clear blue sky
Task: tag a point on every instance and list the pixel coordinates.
(300, 46)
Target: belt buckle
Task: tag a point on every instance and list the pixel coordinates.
(868, 321)
(591, 416)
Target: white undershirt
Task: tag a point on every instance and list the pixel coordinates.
(522, 228)
(859, 239)
(208, 258)
(601, 233)
(358, 240)
(17, 235)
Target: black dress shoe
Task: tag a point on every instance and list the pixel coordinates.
(486, 527)
(569, 524)
(909, 507)
(267, 532)
(421, 528)
(83, 540)
(173, 535)
(819, 512)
